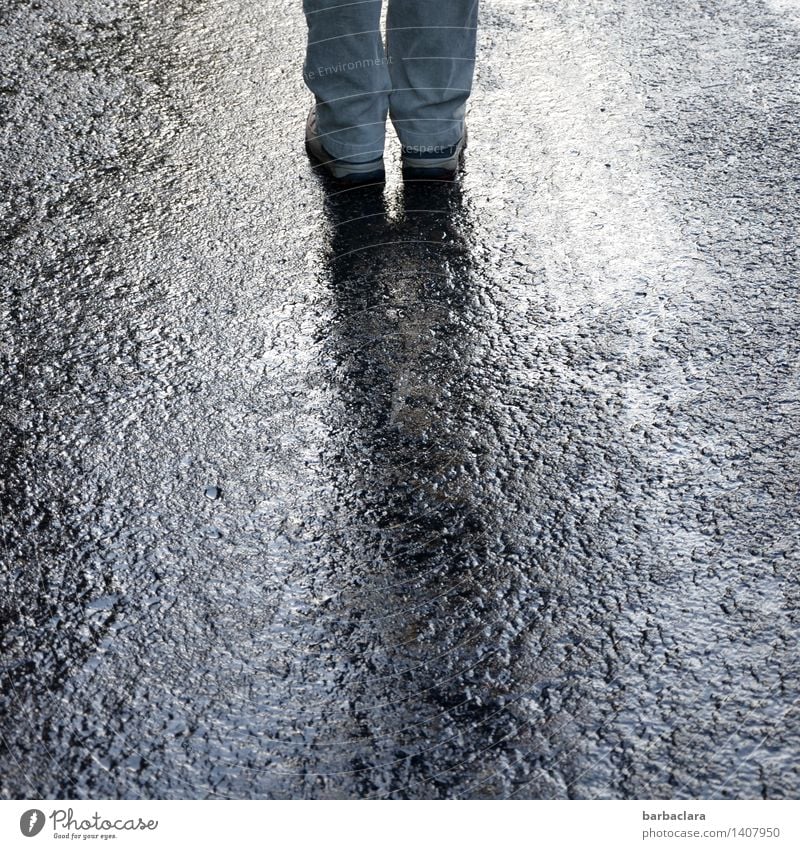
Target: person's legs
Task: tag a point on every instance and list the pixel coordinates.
(345, 68)
(431, 46)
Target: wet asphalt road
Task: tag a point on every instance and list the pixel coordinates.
(475, 493)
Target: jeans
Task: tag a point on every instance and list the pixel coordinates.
(421, 79)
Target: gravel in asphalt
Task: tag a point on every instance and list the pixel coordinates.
(476, 492)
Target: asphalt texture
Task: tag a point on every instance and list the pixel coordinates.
(485, 491)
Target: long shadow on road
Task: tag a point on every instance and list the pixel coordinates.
(423, 630)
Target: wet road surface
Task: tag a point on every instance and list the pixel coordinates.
(462, 493)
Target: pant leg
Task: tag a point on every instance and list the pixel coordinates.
(346, 69)
(431, 47)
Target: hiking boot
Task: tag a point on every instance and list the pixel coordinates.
(433, 163)
(347, 173)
